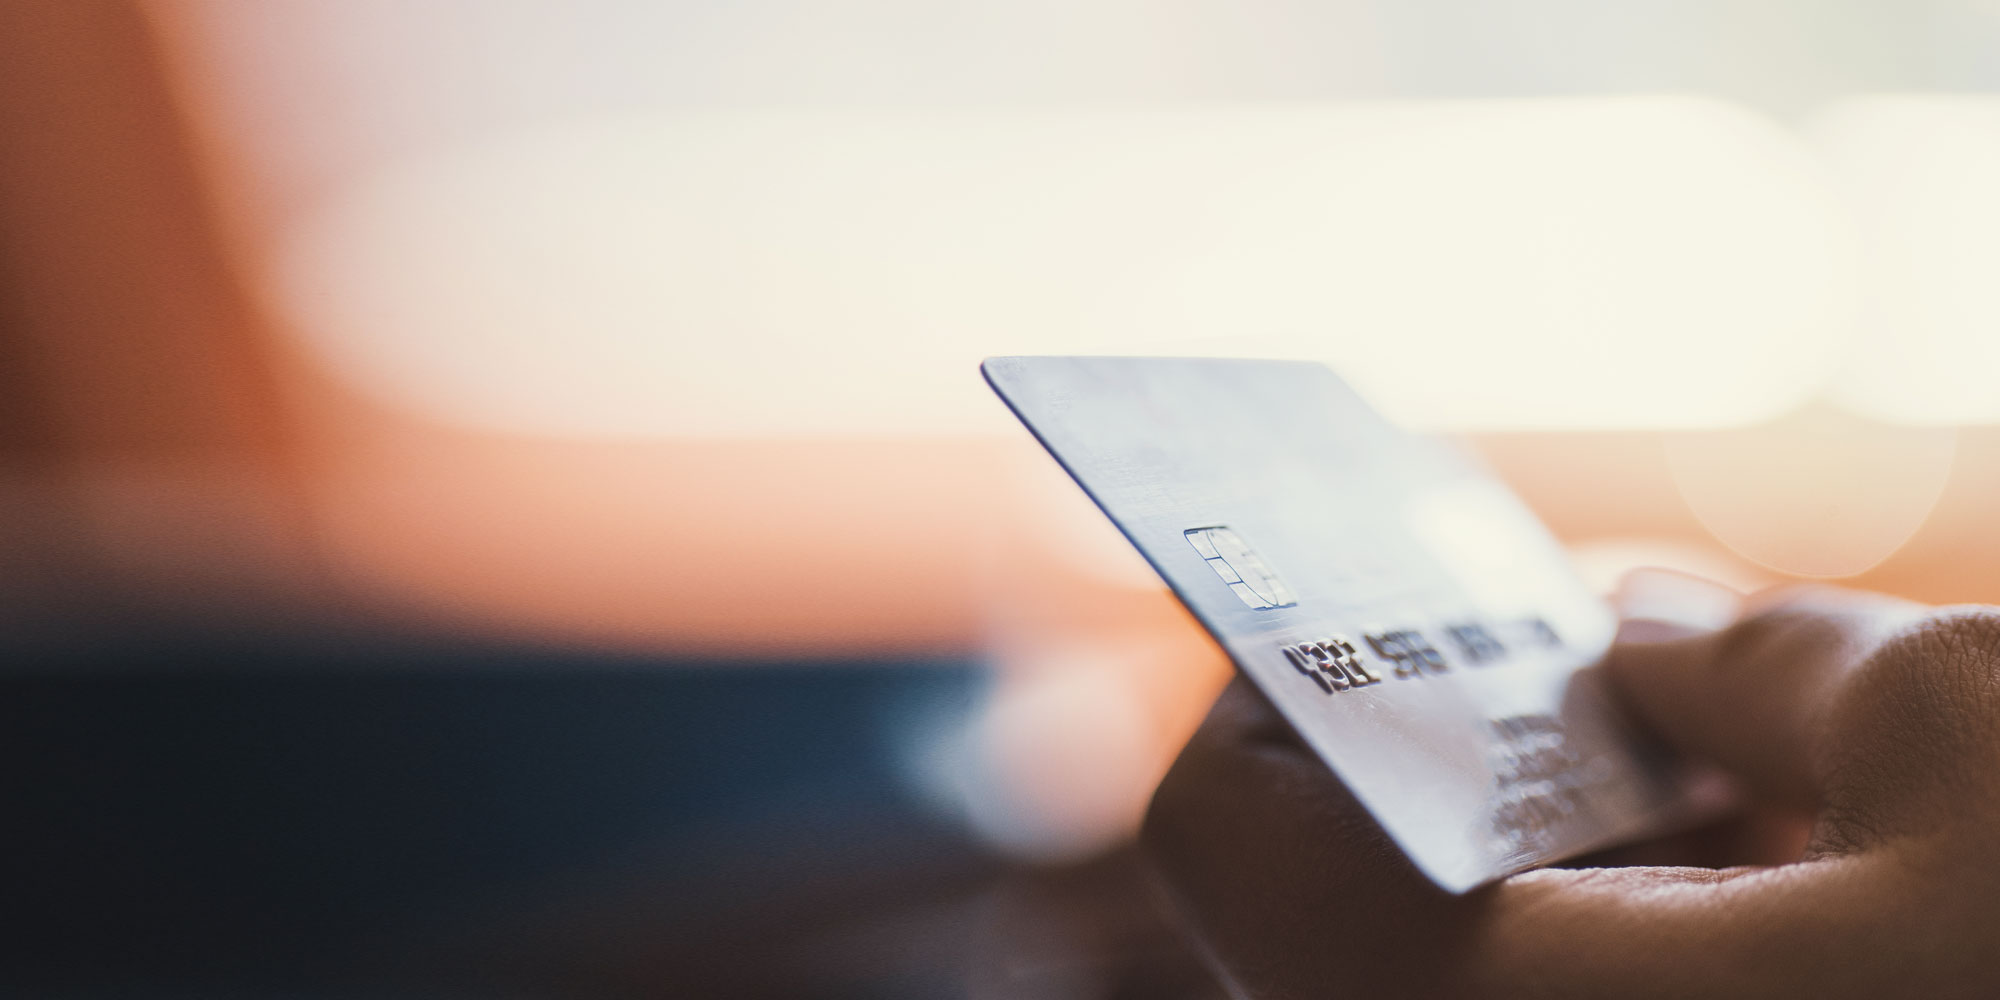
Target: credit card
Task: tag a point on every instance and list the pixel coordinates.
(1407, 614)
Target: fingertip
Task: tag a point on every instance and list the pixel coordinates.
(1658, 672)
(1666, 619)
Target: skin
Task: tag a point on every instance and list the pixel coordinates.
(1867, 725)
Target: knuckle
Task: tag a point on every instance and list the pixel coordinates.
(1967, 633)
(1914, 733)
(1801, 625)
(1808, 611)
(1940, 666)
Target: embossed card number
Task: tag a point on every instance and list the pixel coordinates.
(1335, 664)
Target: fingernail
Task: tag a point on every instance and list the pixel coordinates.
(1656, 605)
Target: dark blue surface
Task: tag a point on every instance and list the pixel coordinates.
(235, 811)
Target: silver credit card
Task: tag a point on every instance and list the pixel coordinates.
(1409, 616)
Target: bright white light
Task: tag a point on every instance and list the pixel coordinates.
(1603, 262)
(1924, 174)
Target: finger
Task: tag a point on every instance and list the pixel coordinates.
(1295, 892)
(1277, 868)
(1882, 715)
(1294, 889)
(1755, 697)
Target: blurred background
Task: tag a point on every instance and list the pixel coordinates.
(497, 499)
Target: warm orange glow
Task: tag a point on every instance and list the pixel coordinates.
(739, 548)
(1820, 493)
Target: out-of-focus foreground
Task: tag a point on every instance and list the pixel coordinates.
(497, 498)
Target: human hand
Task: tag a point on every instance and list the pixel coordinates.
(1872, 723)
